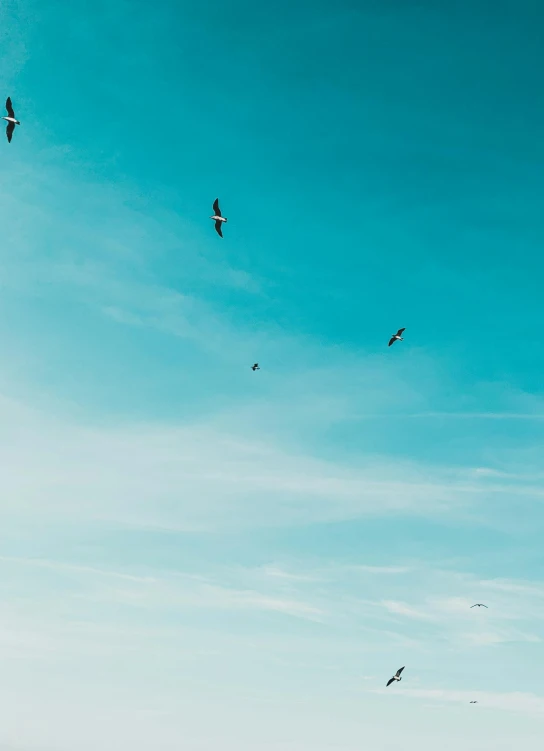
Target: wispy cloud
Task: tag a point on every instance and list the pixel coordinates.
(476, 415)
(96, 467)
(256, 600)
(73, 568)
(531, 589)
(167, 588)
(277, 572)
(393, 570)
(401, 608)
(524, 703)
(492, 638)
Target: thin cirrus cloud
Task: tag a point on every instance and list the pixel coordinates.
(163, 589)
(298, 595)
(478, 415)
(520, 702)
(393, 570)
(85, 470)
(402, 608)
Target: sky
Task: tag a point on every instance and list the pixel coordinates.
(197, 556)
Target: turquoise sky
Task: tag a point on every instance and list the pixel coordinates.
(195, 556)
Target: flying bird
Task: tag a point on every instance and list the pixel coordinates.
(473, 702)
(218, 218)
(12, 122)
(255, 367)
(479, 605)
(396, 677)
(397, 336)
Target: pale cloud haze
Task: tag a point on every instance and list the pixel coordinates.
(197, 556)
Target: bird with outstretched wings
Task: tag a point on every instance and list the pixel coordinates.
(396, 677)
(396, 336)
(11, 125)
(217, 212)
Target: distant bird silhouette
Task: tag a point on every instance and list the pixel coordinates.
(255, 367)
(218, 218)
(12, 122)
(479, 605)
(473, 702)
(396, 677)
(396, 337)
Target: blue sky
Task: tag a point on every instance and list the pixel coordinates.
(195, 555)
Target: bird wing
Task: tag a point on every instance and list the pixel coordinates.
(399, 671)
(391, 341)
(9, 107)
(216, 209)
(484, 606)
(473, 606)
(218, 229)
(9, 131)
(389, 682)
(399, 332)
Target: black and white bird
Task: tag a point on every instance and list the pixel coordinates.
(217, 217)
(12, 121)
(396, 677)
(255, 366)
(479, 605)
(396, 337)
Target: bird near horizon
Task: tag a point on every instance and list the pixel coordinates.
(479, 605)
(255, 366)
(396, 337)
(396, 677)
(219, 219)
(11, 119)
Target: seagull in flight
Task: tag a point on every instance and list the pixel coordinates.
(12, 122)
(396, 677)
(255, 367)
(218, 218)
(479, 605)
(473, 702)
(396, 337)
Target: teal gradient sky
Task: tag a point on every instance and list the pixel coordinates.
(195, 556)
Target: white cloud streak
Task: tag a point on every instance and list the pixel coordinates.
(149, 474)
(474, 415)
(519, 702)
(401, 608)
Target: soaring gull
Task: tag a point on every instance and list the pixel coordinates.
(396, 677)
(217, 217)
(396, 337)
(12, 121)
